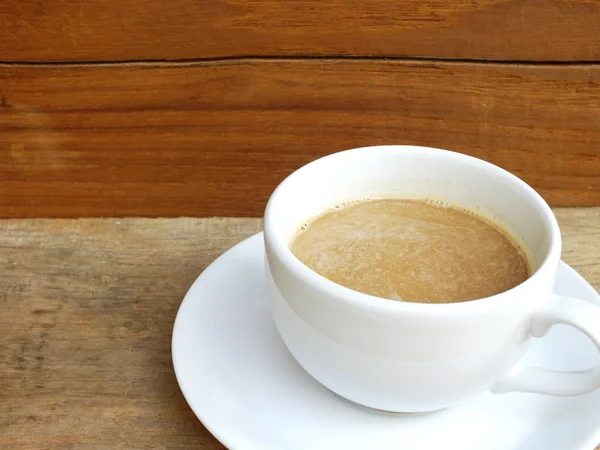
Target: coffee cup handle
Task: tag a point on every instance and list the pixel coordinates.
(583, 315)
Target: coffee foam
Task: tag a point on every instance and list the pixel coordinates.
(412, 250)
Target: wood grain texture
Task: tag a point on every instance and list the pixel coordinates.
(214, 139)
(105, 30)
(86, 313)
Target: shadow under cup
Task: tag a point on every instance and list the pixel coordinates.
(398, 356)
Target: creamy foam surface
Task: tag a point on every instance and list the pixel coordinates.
(411, 250)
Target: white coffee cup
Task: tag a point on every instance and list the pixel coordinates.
(409, 357)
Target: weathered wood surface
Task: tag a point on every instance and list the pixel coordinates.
(108, 30)
(86, 313)
(214, 139)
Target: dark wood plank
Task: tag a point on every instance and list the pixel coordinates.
(87, 311)
(108, 30)
(216, 138)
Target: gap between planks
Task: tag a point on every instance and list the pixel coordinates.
(249, 59)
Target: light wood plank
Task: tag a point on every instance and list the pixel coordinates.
(86, 313)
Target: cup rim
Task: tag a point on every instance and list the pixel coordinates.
(283, 253)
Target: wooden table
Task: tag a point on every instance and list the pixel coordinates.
(86, 313)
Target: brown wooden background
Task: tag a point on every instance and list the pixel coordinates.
(199, 108)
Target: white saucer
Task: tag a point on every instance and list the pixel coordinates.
(242, 383)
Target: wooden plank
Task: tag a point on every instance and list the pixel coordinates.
(104, 30)
(86, 327)
(215, 138)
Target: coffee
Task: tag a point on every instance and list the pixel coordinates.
(411, 250)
